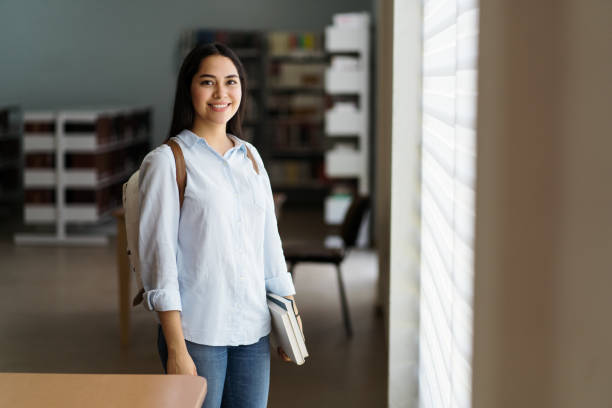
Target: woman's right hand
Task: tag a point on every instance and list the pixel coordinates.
(180, 363)
(179, 360)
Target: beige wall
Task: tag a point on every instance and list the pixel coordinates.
(543, 278)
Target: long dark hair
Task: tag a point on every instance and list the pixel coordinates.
(183, 112)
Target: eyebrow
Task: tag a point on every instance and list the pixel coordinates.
(212, 76)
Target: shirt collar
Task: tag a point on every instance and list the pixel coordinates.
(189, 139)
(239, 144)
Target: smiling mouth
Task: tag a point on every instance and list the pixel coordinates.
(219, 107)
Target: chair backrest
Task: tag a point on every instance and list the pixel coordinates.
(352, 220)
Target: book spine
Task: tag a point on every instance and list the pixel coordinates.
(297, 353)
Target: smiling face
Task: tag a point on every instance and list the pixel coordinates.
(215, 91)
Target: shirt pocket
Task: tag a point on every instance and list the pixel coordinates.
(258, 193)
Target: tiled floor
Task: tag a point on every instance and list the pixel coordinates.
(60, 315)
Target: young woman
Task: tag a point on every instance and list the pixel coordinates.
(207, 266)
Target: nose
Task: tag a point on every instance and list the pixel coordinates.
(219, 91)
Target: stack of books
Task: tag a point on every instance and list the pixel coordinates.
(285, 329)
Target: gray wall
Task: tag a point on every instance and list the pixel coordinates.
(67, 54)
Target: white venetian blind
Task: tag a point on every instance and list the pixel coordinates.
(450, 49)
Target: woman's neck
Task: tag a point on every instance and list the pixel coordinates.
(213, 133)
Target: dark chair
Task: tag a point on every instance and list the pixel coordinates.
(296, 253)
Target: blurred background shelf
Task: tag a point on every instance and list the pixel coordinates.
(347, 121)
(303, 96)
(75, 162)
(298, 153)
(296, 89)
(11, 160)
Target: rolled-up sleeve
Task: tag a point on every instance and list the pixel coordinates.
(158, 230)
(278, 280)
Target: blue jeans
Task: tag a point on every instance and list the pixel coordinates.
(237, 376)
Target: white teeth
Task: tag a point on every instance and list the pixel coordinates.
(220, 106)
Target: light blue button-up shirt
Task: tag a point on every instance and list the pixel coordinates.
(215, 258)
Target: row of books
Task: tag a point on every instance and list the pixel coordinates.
(106, 128)
(290, 172)
(104, 163)
(296, 136)
(287, 172)
(291, 43)
(104, 199)
(296, 75)
(296, 104)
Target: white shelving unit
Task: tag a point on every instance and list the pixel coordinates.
(123, 133)
(348, 41)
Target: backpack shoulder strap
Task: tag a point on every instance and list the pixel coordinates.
(250, 155)
(181, 171)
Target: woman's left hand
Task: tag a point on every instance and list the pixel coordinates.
(282, 355)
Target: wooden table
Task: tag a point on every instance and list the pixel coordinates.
(25, 390)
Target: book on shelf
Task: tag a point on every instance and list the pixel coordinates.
(286, 331)
(297, 75)
(294, 44)
(290, 171)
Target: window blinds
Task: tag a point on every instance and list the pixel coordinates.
(450, 49)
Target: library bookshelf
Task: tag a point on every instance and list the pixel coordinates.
(286, 105)
(295, 105)
(75, 162)
(347, 122)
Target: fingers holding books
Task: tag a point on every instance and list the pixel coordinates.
(282, 355)
(299, 320)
